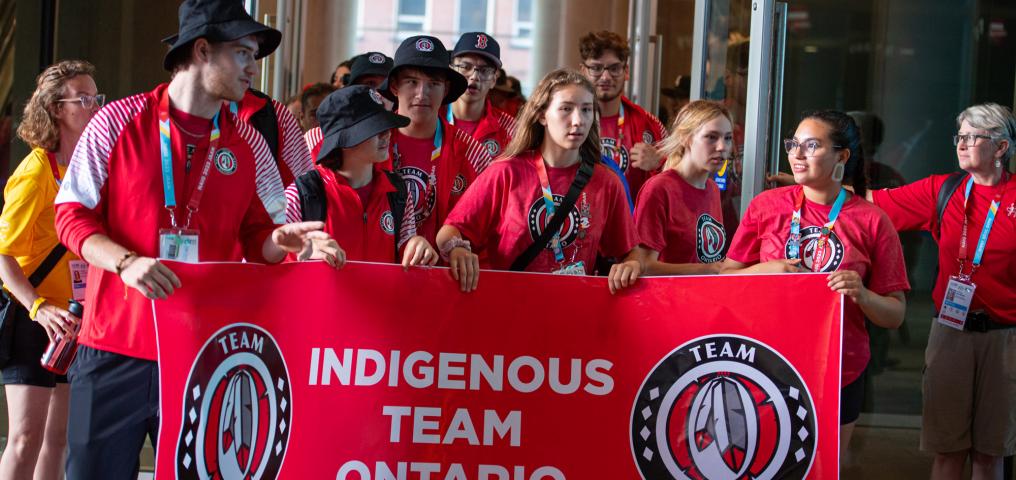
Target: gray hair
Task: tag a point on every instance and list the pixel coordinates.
(995, 118)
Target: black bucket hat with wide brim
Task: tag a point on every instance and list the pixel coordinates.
(349, 116)
(218, 21)
(428, 54)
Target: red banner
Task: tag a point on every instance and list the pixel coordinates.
(298, 371)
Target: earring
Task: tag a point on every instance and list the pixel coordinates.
(838, 171)
(998, 163)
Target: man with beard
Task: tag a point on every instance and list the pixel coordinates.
(477, 56)
(628, 133)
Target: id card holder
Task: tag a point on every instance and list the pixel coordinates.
(577, 268)
(79, 272)
(178, 244)
(956, 303)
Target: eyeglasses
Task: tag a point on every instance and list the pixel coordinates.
(615, 70)
(969, 139)
(467, 69)
(87, 101)
(809, 146)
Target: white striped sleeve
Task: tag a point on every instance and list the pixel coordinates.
(295, 152)
(89, 166)
(408, 229)
(313, 137)
(267, 179)
(507, 123)
(294, 211)
(475, 153)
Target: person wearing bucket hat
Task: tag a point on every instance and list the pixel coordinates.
(118, 209)
(363, 206)
(477, 57)
(437, 159)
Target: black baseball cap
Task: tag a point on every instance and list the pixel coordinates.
(481, 44)
(349, 116)
(218, 21)
(426, 53)
(370, 63)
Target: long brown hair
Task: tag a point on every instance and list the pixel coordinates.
(38, 123)
(530, 133)
(688, 121)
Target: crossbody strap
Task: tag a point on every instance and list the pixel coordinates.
(47, 265)
(944, 194)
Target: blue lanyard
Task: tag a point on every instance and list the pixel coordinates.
(166, 151)
(795, 226)
(989, 220)
(548, 201)
(451, 116)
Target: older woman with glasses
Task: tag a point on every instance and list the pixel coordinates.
(64, 101)
(970, 374)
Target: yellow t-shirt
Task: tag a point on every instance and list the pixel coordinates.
(28, 224)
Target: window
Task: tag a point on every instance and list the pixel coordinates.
(522, 28)
(474, 16)
(412, 16)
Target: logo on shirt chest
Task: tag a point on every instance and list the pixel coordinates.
(710, 239)
(459, 185)
(833, 249)
(237, 408)
(609, 147)
(419, 187)
(723, 406)
(225, 161)
(493, 148)
(647, 137)
(387, 222)
(573, 228)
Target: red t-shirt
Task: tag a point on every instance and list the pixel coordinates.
(113, 187)
(365, 234)
(640, 126)
(682, 222)
(863, 240)
(504, 213)
(466, 126)
(912, 207)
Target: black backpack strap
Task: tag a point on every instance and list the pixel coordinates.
(312, 196)
(944, 194)
(266, 123)
(47, 265)
(581, 179)
(397, 202)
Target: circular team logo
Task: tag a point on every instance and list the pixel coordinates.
(608, 146)
(237, 408)
(538, 219)
(225, 161)
(833, 253)
(417, 181)
(493, 148)
(388, 222)
(376, 58)
(481, 41)
(647, 137)
(723, 407)
(375, 96)
(710, 239)
(425, 45)
(459, 185)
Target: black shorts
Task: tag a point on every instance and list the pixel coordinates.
(852, 399)
(29, 343)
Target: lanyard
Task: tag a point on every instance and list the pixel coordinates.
(989, 220)
(819, 256)
(166, 149)
(620, 134)
(451, 116)
(53, 167)
(234, 108)
(548, 201)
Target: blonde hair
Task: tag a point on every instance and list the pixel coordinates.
(688, 121)
(530, 133)
(39, 127)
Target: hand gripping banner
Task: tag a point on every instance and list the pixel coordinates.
(299, 371)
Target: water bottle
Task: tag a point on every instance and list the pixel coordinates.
(60, 352)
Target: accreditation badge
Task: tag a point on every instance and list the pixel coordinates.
(577, 268)
(956, 303)
(178, 244)
(79, 272)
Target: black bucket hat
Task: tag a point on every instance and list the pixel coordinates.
(219, 21)
(427, 53)
(481, 44)
(370, 63)
(351, 115)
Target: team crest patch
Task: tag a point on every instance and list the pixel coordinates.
(723, 406)
(459, 185)
(809, 237)
(237, 408)
(481, 41)
(608, 146)
(493, 148)
(375, 96)
(225, 161)
(376, 58)
(417, 181)
(388, 222)
(647, 137)
(710, 239)
(424, 45)
(538, 220)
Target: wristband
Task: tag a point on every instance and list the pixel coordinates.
(121, 263)
(35, 307)
(455, 242)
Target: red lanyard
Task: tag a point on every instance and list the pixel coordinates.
(620, 134)
(53, 166)
(166, 148)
